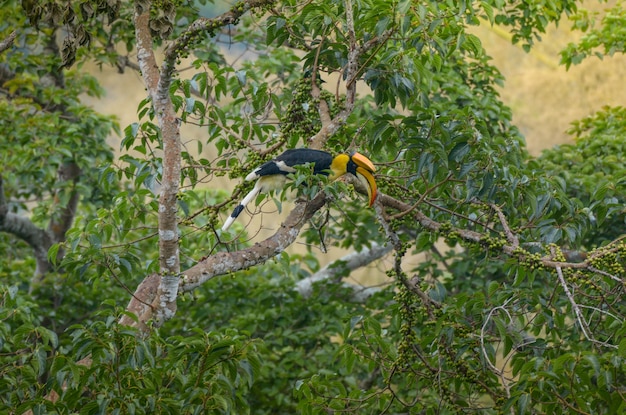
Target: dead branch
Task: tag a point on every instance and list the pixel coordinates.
(334, 271)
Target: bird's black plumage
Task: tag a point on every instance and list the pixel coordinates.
(292, 158)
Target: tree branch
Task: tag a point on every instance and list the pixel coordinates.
(509, 249)
(6, 43)
(21, 227)
(39, 239)
(579, 316)
(146, 301)
(337, 269)
(492, 366)
(63, 215)
(510, 236)
(227, 262)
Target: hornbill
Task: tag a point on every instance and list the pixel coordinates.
(272, 175)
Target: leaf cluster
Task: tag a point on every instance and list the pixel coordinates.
(603, 35)
(197, 373)
(592, 173)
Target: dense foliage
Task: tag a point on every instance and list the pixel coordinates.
(502, 291)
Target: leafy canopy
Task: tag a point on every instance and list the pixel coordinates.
(477, 310)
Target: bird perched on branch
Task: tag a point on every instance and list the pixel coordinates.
(272, 175)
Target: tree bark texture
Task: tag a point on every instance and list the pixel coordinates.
(158, 90)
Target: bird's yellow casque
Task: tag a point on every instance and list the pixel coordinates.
(273, 174)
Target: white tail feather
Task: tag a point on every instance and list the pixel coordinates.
(252, 194)
(242, 205)
(227, 224)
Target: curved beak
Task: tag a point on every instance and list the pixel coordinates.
(368, 181)
(364, 171)
(362, 161)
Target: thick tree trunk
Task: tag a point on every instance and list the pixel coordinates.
(158, 89)
(163, 306)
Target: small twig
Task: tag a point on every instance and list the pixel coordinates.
(614, 248)
(510, 236)
(570, 297)
(377, 42)
(274, 147)
(420, 200)
(124, 286)
(498, 372)
(320, 232)
(606, 274)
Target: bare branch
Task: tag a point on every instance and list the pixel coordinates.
(226, 262)
(335, 270)
(579, 317)
(499, 372)
(584, 327)
(6, 43)
(606, 274)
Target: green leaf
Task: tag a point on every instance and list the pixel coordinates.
(53, 253)
(488, 11)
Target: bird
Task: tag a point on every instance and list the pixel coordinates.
(273, 174)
